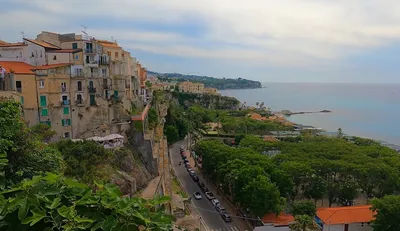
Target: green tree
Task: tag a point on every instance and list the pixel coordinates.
(52, 202)
(10, 126)
(172, 134)
(340, 133)
(239, 138)
(304, 208)
(315, 189)
(152, 117)
(387, 213)
(43, 132)
(303, 223)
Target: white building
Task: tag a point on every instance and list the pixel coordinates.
(350, 218)
(29, 51)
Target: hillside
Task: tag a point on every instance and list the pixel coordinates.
(220, 84)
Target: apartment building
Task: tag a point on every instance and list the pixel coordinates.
(191, 87)
(80, 86)
(18, 80)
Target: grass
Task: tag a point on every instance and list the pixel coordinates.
(177, 189)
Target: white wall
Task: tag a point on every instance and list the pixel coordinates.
(39, 53)
(352, 227)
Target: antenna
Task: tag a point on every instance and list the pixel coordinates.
(23, 35)
(85, 34)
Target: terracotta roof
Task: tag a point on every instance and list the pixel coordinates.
(6, 44)
(46, 67)
(43, 44)
(17, 67)
(109, 44)
(345, 215)
(65, 51)
(282, 219)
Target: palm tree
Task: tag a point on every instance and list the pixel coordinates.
(303, 223)
(257, 104)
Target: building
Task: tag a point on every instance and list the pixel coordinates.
(273, 222)
(162, 86)
(190, 87)
(211, 91)
(350, 218)
(18, 80)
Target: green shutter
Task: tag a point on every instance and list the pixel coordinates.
(74, 45)
(116, 93)
(62, 123)
(43, 101)
(69, 121)
(22, 100)
(66, 110)
(92, 100)
(48, 123)
(45, 112)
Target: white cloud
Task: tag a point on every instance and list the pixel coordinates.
(291, 31)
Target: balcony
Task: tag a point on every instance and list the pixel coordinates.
(92, 89)
(107, 87)
(65, 102)
(19, 89)
(78, 73)
(90, 51)
(63, 89)
(104, 62)
(128, 86)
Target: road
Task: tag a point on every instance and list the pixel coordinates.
(204, 207)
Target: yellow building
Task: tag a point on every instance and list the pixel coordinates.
(191, 87)
(20, 78)
(211, 91)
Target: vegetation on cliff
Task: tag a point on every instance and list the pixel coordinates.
(219, 83)
(33, 200)
(206, 100)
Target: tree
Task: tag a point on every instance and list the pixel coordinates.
(340, 133)
(10, 125)
(315, 189)
(172, 134)
(43, 132)
(238, 138)
(303, 223)
(387, 213)
(304, 208)
(53, 202)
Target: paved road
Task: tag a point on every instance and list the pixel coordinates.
(204, 207)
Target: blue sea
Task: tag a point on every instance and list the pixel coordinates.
(366, 110)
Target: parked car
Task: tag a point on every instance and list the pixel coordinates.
(185, 161)
(215, 202)
(220, 209)
(226, 217)
(195, 178)
(189, 169)
(191, 172)
(187, 165)
(197, 195)
(199, 183)
(209, 195)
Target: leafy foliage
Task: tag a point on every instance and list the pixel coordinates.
(43, 131)
(53, 202)
(206, 101)
(303, 223)
(83, 159)
(172, 134)
(387, 213)
(304, 208)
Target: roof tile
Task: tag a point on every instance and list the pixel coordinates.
(346, 215)
(17, 67)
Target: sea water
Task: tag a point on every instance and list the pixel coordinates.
(366, 110)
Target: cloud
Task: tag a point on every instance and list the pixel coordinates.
(291, 32)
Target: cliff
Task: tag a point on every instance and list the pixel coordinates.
(206, 101)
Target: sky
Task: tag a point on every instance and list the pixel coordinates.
(266, 40)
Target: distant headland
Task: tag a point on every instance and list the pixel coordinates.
(211, 82)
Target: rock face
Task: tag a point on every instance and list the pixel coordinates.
(130, 174)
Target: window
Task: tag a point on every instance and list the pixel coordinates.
(66, 122)
(43, 101)
(33, 55)
(74, 45)
(41, 84)
(90, 84)
(92, 100)
(66, 110)
(63, 86)
(45, 112)
(19, 86)
(46, 122)
(76, 57)
(115, 93)
(22, 100)
(104, 72)
(79, 86)
(116, 54)
(66, 135)
(54, 57)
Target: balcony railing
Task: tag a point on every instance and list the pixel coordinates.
(65, 102)
(63, 89)
(19, 89)
(78, 74)
(92, 89)
(104, 62)
(79, 101)
(128, 86)
(90, 51)
(107, 87)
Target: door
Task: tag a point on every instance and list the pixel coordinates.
(91, 84)
(43, 101)
(92, 100)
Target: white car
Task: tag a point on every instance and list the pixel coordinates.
(215, 202)
(197, 195)
(210, 195)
